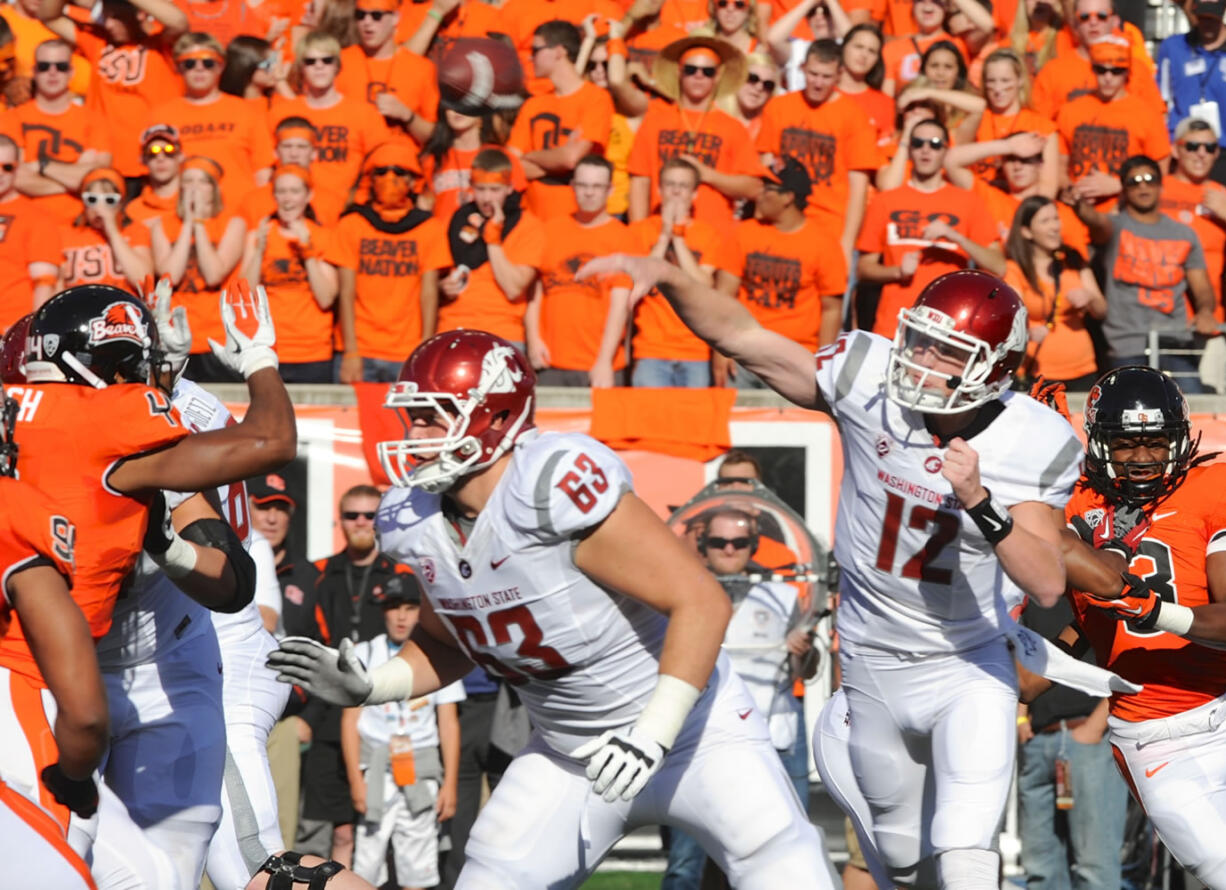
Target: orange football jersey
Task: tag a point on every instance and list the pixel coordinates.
(1177, 673)
(70, 438)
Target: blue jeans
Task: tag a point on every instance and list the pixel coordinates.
(1077, 849)
(668, 372)
(374, 370)
(1184, 369)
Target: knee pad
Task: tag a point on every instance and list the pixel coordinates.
(969, 869)
(286, 870)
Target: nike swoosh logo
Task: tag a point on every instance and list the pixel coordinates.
(744, 714)
(1149, 773)
(495, 563)
(992, 523)
(1158, 516)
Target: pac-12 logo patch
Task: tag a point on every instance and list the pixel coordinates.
(883, 446)
(427, 569)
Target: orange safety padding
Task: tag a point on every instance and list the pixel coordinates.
(689, 423)
(378, 425)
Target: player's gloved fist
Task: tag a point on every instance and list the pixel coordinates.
(335, 675)
(620, 762)
(174, 332)
(1115, 528)
(1137, 603)
(246, 353)
(79, 795)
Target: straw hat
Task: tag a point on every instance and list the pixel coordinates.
(667, 69)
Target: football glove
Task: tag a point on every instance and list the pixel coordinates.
(172, 554)
(1051, 394)
(1119, 528)
(174, 332)
(621, 762)
(79, 795)
(335, 675)
(1137, 604)
(245, 354)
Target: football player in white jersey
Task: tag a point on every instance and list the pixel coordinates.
(540, 564)
(952, 492)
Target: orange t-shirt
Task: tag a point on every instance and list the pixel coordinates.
(408, 76)
(1067, 352)
(226, 19)
(546, 122)
(902, 56)
(348, 132)
(893, 226)
(658, 331)
(644, 47)
(1002, 206)
(994, 126)
(388, 267)
(715, 138)
(122, 420)
(786, 274)
(304, 331)
(1068, 76)
(1181, 201)
(685, 15)
(28, 33)
(830, 139)
(521, 18)
(60, 137)
(879, 109)
(128, 83)
(147, 205)
(1177, 674)
(1098, 135)
(228, 130)
(1067, 42)
(259, 204)
(573, 312)
(27, 235)
(88, 258)
(483, 306)
(451, 180)
(202, 302)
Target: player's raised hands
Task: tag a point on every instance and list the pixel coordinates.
(173, 329)
(246, 353)
(645, 272)
(620, 762)
(961, 467)
(335, 675)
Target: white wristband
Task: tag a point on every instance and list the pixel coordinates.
(666, 710)
(257, 358)
(390, 681)
(1174, 619)
(178, 560)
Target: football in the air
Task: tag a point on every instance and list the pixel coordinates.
(478, 75)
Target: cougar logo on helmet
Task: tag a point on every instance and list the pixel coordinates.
(119, 321)
(498, 373)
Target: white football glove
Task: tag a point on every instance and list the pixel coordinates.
(621, 762)
(245, 354)
(335, 675)
(173, 329)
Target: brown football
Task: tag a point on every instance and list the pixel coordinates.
(478, 74)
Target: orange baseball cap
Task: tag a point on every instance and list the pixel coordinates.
(393, 154)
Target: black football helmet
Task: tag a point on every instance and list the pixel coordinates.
(1135, 401)
(92, 335)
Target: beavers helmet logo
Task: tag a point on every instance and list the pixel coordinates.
(119, 321)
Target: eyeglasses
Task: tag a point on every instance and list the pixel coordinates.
(936, 143)
(768, 85)
(8, 167)
(720, 543)
(735, 4)
(376, 14)
(351, 515)
(383, 171)
(1207, 147)
(536, 49)
(265, 64)
(163, 149)
(1110, 69)
(1086, 16)
(190, 64)
(1141, 179)
(1018, 159)
(704, 70)
(44, 67)
(92, 198)
(308, 61)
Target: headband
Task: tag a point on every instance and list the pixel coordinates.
(294, 169)
(490, 177)
(705, 51)
(103, 174)
(297, 132)
(200, 162)
(200, 52)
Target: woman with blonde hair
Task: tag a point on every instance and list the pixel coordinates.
(103, 245)
(735, 21)
(761, 82)
(1006, 87)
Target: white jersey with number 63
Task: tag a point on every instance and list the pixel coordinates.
(918, 575)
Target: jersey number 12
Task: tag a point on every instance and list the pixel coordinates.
(919, 567)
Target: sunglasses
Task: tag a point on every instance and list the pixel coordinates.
(44, 67)
(1018, 159)
(704, 70)
(936, 143)
(1110, 69)
(376, 14)
(9, 167)
(93, 198)
(721, 543)
(1141, 179)
(265, 65)
(383, 171)
(1086, 16)
(768, 85)
(351, 515)
(1207, 147)
(594, 64)
(163, 149)
(190, 64)
(308, 61)
(735, 4)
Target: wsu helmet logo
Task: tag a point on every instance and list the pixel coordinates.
(119, 321)
(499, 373)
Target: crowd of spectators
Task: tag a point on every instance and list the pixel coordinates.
(821, 159)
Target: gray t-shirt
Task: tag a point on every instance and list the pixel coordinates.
(1147, 283)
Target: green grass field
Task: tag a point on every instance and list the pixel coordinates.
(623, 880)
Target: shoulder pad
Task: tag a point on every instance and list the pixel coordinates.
(856, 360)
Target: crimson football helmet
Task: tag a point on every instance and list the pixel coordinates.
(13, 351)
(480, 386)
(969, 317)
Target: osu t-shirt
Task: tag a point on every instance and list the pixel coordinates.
(894, 225)
(348, 131)
(1069, 76)
(62, 136)
(27, 235)
(304, 330)
(1098, 135)
(408, 76)
(228, 130)
(89, 259)
(1181, 201)
(573, 312)
(388, 269)
(786, 274)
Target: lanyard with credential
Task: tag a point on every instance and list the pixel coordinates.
(355, 598)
